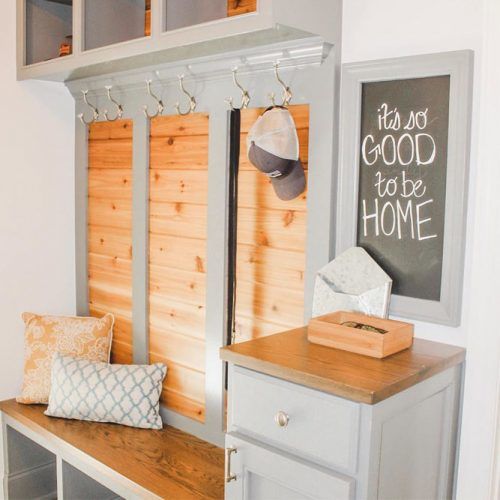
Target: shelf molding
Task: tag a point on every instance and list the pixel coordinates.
(297, 54)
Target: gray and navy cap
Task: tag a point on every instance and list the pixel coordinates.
(273, 148)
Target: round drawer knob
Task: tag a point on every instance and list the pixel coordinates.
(282, 419)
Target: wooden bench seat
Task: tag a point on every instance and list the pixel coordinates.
(132, 463)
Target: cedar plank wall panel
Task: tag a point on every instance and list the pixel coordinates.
(110, 230)
(177, 253)
(271, 244)
(237, 7)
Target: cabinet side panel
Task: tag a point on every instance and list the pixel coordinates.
(412, 446)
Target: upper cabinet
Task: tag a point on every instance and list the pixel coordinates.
(70, 39)
(48, 30)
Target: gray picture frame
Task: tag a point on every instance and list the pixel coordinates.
(459, 66)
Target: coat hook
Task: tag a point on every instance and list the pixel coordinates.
(119, 107)
(95, 111)
(245, 96)
(192, 100)
(287, 93)
(159, 103)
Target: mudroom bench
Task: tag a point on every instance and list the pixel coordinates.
(45, 457)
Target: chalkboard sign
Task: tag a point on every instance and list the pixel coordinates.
(403, 174)
(403, 150)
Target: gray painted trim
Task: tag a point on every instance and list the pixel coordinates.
(216, 258)
(140, 239)
(323, 121)
(81, 233)
(459, 65)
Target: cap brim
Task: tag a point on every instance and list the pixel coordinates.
(292, 185)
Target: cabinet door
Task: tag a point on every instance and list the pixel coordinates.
(262, 474)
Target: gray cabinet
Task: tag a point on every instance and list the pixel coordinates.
(288, 441)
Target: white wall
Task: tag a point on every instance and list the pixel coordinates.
(376, 29)
(36, 203)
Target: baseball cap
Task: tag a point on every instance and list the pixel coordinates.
(273, 148)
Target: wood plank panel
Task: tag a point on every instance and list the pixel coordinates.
(270, 266)
(116, 213)
(248, 328)
(167, 315)
(275, 304)
(271, 244)
(187, 254)
(238, 7)
(176, 284)
(109, 230)
(110, 183)
(113, 153)
(106, 131)
(189, 125)
(111, 241)
(179, 349)
(178, 218)
(179, 153)
(177, 257)
(285, 229)
(179, 186)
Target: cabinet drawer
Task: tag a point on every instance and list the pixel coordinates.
(320, 427)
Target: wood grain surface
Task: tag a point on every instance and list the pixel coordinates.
(271, 243)
(110, 230)
(290, 356)
(177, 257)
(169, 463)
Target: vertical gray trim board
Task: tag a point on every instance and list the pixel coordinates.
(140, 239)
(323, 118)
(217, 237)
(459, 65)
(81, 194)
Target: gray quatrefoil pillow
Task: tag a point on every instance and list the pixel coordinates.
(100, 392)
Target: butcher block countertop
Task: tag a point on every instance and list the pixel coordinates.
(290, 356)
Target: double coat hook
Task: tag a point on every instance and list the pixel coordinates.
(119, 107)
(159, 103)
(95, 111)
(192, 100)
(245, 96)
(286, 95)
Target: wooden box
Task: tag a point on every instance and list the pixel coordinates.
(329, 330)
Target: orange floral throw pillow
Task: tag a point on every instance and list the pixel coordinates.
(87, 338)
